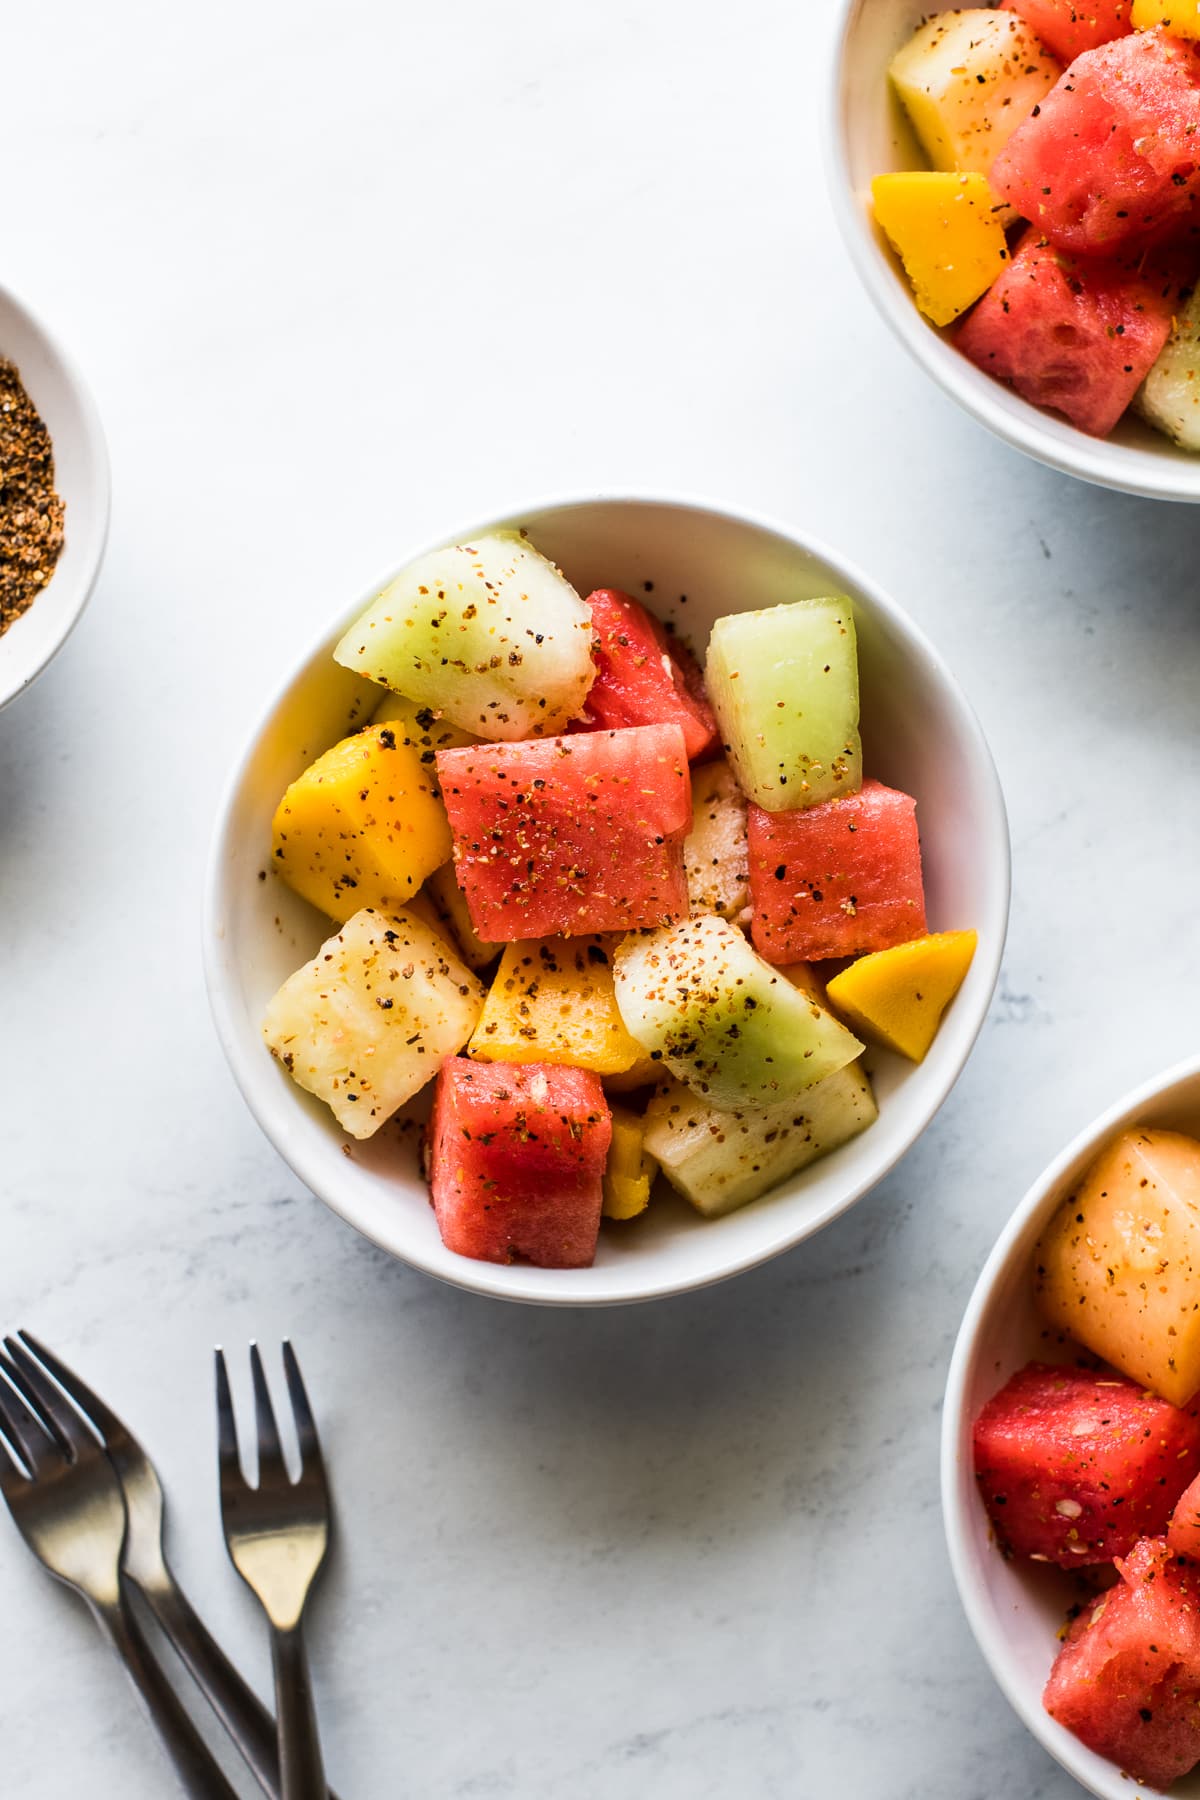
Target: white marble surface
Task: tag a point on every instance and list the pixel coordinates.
(341, 277)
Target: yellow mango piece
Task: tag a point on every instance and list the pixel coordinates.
(450, 903)
(552, 1001)
(630, 1169)
(1119, 1266)
(362, 827)
(426, 730)
(945, 230)
(643, 1073)
(1182, 17)
(897, 997)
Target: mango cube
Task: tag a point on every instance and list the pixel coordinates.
(1119, 1266)
(1180, 17)
(450, 904)
(897, 997)
(363, 826)
(630, 1169)
(945, 229)
(552, 1001)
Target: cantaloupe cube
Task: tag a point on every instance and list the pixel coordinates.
(552, 1001)
(368, 1022)
(945, 230)
(630, 1169)
(897, 997)
(967, 80)
(1180, 17)
(363, 826)
(1119, 1267)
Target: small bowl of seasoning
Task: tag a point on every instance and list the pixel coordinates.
(54, 497)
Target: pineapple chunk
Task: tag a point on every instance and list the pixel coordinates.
(629, 1171)
(1119, 1267)
(897, 997)
(1180, 17)
(967, 80)
(1169, 398)
(723, 1020)
(945, 231)
(367, 1023)
(784, 686)
(490, 635)
(720, 1160)
(361, 827)
(552, 1001)
(715, 856)
(450, 903)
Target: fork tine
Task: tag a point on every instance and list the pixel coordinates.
(57, 1412)
(21, 1424)
(311, 1460)
(228, 1460)
(270, 1451)
(100, 1417)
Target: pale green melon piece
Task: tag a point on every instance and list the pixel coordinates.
(720, 1159)
(367, 1023)
(715, 853)
(967, 80)
(1169, 398)
(784, 686)
(489, 635)
(703, 1002)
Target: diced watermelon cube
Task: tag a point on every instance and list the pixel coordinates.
(1067, 27)
(1075, 1467)
(1112, 155)
(644, 677)
(1183, 1532)
(836, 879)
(570, 835)
(1077, 335)
(516, 1161)
(1127, 1680)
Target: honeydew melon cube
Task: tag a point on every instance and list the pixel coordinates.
(784, 685)
(967, 79)
(716, 859)
(489, 634)
(1169, 398)
(720, 1159)
(368, 1021)
(735, 1030)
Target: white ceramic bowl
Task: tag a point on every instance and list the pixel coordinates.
(81, 477)
(919, 734)
(868, 135)
(1014, 1610)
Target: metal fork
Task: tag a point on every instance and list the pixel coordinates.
(66, 1501)
(144, 1563)
(277, 1533)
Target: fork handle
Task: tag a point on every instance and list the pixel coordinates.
(196, 1766)
(301, 1770)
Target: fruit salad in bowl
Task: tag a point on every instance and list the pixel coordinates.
(1071, 1450)
(569, 909)
(1018, 186)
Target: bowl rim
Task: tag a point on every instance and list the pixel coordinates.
(92, 435)
(1084, 1764)
(1124, 468)
(480, 1277)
